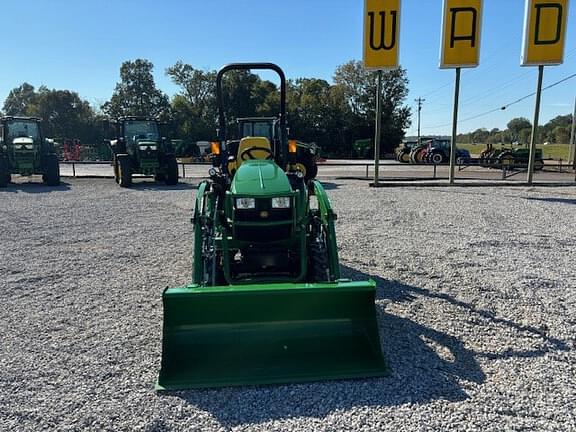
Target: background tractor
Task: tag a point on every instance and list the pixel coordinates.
(439, 152)
(267, 303)
(25, 151)
(306, 153)
(510, 157)
(139, 149)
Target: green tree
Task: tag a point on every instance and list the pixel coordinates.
(194, 108)
(480, 136)
(523, 136)
(198, 89)
(20, 101)
(359, 88)
(66, 115)
(136, 93)
(516, 125)
(561, 134)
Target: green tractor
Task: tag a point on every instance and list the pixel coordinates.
(267, 303)
(139, 149)
(25, 151)
(306, 153)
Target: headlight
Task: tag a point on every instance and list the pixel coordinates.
(281, 202)
(145, 147)
(29, 146)
(245, 203)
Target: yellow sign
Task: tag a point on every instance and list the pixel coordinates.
(544, 30)
(460, 41)
(381, 33)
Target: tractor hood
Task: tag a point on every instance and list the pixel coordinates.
(23, 141)
(260, 177)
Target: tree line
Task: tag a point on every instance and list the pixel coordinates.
(333, 115)
(519, 130)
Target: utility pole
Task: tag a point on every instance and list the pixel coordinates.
(419, 100)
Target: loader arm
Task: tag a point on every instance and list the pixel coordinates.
(327, 216)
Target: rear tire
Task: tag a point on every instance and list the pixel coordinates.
(171, 171)
(51, 170)
(307, 160)
(124, 170)
(437, 158)
(116, 169)
(4, 174)
(538, 165)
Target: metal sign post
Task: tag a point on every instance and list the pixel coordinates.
(377, 133)
(460, 47)
(543, 44)
(532, 155)
(454, 127)
(381, 48)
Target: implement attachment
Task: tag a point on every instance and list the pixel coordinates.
(266, 334)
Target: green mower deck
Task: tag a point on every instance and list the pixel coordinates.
(269, 334)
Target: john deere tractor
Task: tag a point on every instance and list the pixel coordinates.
(139, 149)
(267, 303)
(25, 151)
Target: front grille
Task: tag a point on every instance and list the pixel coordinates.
(263, 205)
(263, 234)
(263, 213)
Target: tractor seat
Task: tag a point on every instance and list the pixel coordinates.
(253, 148)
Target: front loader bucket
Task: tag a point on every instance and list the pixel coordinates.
(267, 334)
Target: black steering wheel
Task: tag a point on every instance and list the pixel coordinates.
(247, 153)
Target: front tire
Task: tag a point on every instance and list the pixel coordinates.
(124, 171)
(171, 171)
(4, 174)
(51, 170)
(116, 169)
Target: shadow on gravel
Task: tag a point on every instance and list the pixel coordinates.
(399, 292)
(34, 188)
(554, 200)
(425, 365)
(144, 185)
(330, 186)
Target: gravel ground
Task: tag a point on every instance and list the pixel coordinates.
(476, 304)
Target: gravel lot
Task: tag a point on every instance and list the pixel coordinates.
(476, 303)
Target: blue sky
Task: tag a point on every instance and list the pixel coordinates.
(80, 45)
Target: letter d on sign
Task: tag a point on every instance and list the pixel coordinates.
(544, 31)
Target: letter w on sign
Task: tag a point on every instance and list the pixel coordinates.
(381, 33)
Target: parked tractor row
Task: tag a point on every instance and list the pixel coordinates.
(429, 150)
(136, 145)
(509, 157)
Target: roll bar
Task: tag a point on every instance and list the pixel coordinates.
(283, 147)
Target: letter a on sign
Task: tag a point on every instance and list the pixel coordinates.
(381, 33)
(461, 25)
(544, 30)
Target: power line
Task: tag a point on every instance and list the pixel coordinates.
(504, 106)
